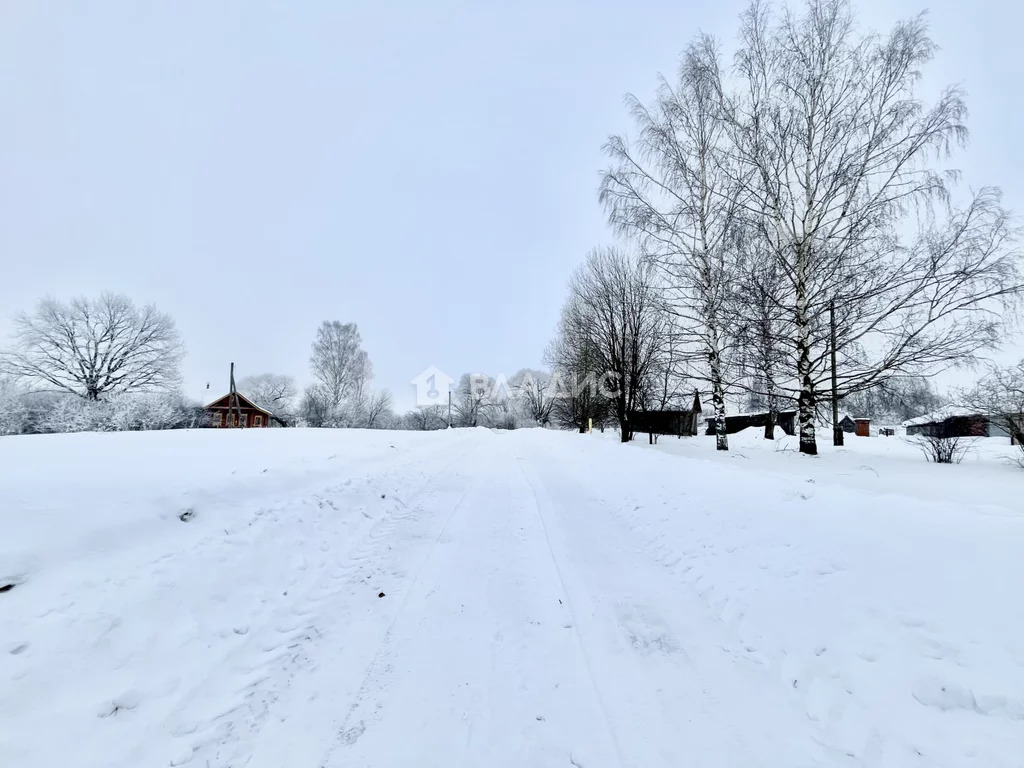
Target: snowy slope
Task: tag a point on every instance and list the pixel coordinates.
(549, 599)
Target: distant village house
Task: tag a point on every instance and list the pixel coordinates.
(958, 423)
(223, 413)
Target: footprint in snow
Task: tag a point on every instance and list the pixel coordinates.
(350, 736)
(126, 701)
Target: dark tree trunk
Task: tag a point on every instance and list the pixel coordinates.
(837, 431)
(625, 428)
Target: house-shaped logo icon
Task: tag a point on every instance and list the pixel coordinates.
(432, 387)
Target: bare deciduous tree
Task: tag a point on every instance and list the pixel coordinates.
(339, 365)
(273, 391)
(578, 397)
(474, 399)
(533, 393)
(615, 314)
(676, 190)
(758, 325)
(95, 348)
(377, 412)
(999, 395)
(835, 149)
(427, 417)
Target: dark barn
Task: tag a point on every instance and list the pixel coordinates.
(678, 423)
(681, 423)
(734, 424)
(966, 425)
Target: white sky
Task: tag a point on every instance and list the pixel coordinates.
(427, 170)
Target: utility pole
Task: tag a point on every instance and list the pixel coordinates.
(233, 400)
(837, 431)
(449, 409)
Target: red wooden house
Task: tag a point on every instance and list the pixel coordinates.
(224, 414)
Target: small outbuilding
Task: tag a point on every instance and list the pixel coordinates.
(681, 423)
(848, 425)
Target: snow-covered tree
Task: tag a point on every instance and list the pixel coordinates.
(474, 400)
(95, 348)
(273, 391)
(14, 413)
(532, 392)
(426, 417)
(339, 364)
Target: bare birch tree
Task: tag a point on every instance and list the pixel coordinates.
(835, 151)
(339, 364)
(95, 348)
(677, 191)
(758, 317)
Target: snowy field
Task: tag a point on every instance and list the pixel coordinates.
(525, 599)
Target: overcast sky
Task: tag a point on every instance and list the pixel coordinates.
(426, 170)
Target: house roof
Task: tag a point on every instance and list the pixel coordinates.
(949, 412)
(244, 402)
(785, 411)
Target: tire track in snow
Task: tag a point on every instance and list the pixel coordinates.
(685, 701)
(348, 731)
(281, 652)
(538, 508)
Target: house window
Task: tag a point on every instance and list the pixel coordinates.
(235, 415)
(218, 419)
(257, 420)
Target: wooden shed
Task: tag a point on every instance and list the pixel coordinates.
(863, 427)
(669, 422)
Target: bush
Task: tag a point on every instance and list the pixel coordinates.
(56, 413)
(942, 449)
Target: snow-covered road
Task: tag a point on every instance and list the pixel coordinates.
(474, 598)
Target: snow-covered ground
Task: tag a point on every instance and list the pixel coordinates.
(549, 599)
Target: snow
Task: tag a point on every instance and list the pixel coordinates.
(549, 599)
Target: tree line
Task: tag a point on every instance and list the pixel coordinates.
(790, 231)
(107, 364)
